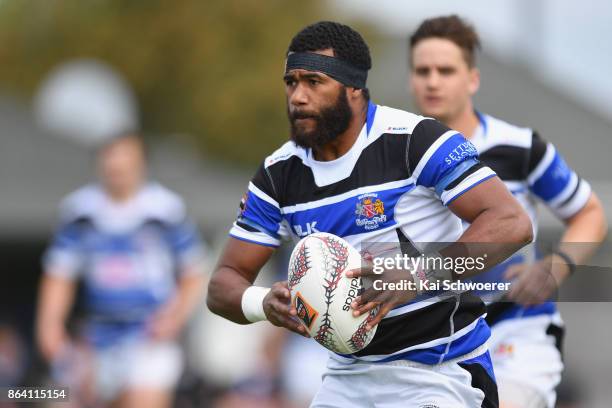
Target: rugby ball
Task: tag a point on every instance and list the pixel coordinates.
(322, 294)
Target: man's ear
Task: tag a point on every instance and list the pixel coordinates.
(354, 93)
(474, 81)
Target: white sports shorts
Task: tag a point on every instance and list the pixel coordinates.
(137, 364)
(463, 382)
(527, 360)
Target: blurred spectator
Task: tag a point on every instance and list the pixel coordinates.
(139, 260)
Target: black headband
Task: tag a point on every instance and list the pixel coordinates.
(341, 71)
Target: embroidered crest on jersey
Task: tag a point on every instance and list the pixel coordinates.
(305, 312)
(370, 211)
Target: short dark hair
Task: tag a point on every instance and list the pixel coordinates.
(452, 28)
(348, 44)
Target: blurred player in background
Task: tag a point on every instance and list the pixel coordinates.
(140, 261)
(527, 328)
(345, 149)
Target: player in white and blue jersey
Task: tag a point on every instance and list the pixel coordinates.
(369, 173)
(130, 244)
(526, 326)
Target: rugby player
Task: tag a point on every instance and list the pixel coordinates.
(345, 153)
(139, 258)
(526, 326)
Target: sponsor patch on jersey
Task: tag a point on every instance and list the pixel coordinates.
(465, 149)
(370, 211)
(305, 312)
(397, 129)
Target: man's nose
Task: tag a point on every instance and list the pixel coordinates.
(433, 80)
(299, 96)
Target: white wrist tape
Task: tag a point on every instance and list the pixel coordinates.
(252, 303)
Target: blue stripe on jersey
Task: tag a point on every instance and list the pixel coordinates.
(517, 311)
(454, 174)
(484, 360)
(350, 216)
(105, 334)
(370, 117)
(263, 215)
(463, 345)
(113, 304)
(449, 155)
(68, 236)
(183, 237)
(553, 180)
(257, 227)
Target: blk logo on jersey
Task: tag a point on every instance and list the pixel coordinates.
(305, 312)
(370, 211)
(311, 228)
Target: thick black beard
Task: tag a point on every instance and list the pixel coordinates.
(330, 123)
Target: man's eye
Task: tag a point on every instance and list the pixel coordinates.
(422, 71)
(313, 82)
(289, 82)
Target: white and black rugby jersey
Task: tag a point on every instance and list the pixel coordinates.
(393, 185)
(534, 171)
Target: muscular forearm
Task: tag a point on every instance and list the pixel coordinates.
(498, 225)
(237, 269)
(225, 294)
(585, 231)
(493, 236)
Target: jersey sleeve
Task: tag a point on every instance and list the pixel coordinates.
(553, 181)
(259, 218)
(186, 245)
(442, 159)
(64, 256)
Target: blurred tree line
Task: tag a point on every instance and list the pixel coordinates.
(210, 69)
